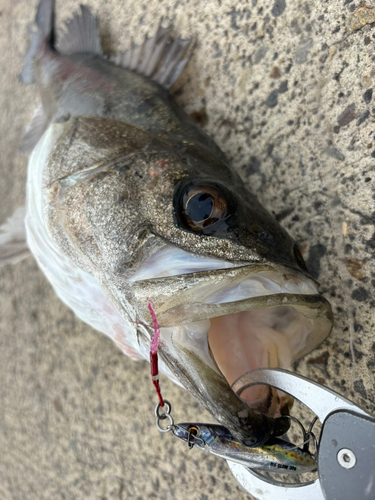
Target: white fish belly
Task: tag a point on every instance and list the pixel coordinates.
(76, 288)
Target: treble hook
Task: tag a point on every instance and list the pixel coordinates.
(307, 435)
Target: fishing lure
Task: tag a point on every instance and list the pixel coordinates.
(276, 455)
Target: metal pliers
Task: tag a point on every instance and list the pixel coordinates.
(345, 448)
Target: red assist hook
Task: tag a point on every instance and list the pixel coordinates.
(154, 351)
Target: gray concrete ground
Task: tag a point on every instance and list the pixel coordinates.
(286, 89)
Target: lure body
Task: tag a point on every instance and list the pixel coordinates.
(275, 455)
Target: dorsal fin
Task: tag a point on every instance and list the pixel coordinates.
(160, 58)
(82, 34)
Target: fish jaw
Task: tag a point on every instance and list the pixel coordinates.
(208, 340)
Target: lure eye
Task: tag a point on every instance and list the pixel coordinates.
(193, 431)
(202, 206)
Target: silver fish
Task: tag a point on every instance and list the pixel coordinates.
(128, 199)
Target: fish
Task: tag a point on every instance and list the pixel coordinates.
(276, 455)
(129, 200)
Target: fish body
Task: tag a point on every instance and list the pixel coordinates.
(277, 455)
(127, 199)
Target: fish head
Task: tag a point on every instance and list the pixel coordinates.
(178, 226)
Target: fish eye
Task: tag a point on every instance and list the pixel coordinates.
(202, 206)
(194, 431)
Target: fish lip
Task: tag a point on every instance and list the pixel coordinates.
(172, 300)
(174, 296)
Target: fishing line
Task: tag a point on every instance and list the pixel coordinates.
(155, 341)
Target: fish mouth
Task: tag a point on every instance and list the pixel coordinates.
(218, 324)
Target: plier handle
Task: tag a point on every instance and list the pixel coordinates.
(346, 446)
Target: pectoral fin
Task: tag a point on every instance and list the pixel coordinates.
(13, 245)
(34, 130)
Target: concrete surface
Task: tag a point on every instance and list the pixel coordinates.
(285, 88)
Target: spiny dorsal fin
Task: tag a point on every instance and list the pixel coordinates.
(82, 34)
(161, 58)
(13, 245)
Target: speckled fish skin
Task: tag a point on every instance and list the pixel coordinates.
(115, 150)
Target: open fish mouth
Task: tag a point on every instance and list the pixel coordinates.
(218, 324)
